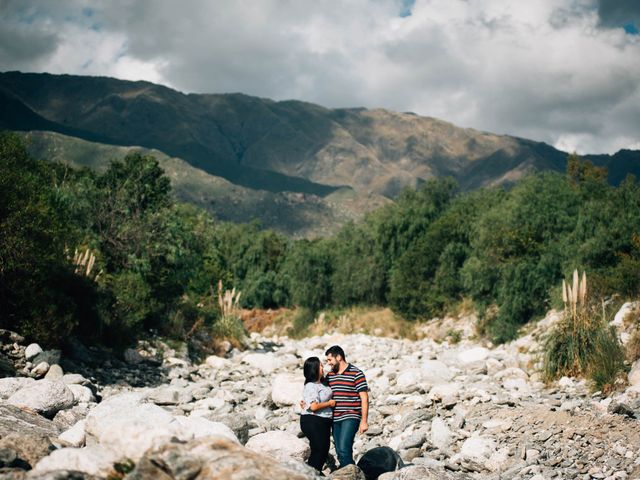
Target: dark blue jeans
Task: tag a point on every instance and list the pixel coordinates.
(344, 432)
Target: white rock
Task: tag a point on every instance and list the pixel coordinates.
(40, 369)
(127, 426)
(565, 382)
(625, 310)
(74, 379)
(473, 355)
(54, 373)
(170, 396)
(280, 445)
(94, 460)
(32, 351)
(445, 391)
(435, 372)
(498, 460)
(130, 427)
(408, 378)
(9, 386)
(441, 435)
(217, 363)
(81, 393)
(287, 389)
(264, 362)
(511, 372)
(75, 436)
(519, 384)
(44, 396)
(189, 428)
(478, 448)
(634, 374)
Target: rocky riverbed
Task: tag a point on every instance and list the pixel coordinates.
(452, 411)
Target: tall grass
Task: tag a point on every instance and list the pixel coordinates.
(582, 343)
(229, 326)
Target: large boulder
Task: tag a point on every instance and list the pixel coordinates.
(93, 460)
(287, 389)
(280, 445)
(29, 448)
(16, 420)
(214, 458)
(130, 427)
(44, 397)
(9, 386)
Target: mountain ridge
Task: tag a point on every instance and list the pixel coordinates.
(280, 146)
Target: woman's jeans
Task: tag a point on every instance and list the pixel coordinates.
(344, 432)
(318, 430)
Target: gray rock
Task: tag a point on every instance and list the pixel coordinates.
(9, 386)
(421, 472)
(40, 369)
(75, 436)
(414, 417)
(280, 445)
(44, 397)
(412, 441)
(238, 423)
(92, 460)
(621, 409)
(81, 393)
(350, 472)
(29, 448)
(55, 373)
(14, 419)
(214, 458)
(32, 351)
(62, 475)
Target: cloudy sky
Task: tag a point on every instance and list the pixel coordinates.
(562, 71)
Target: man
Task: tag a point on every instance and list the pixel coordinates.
(351, 411)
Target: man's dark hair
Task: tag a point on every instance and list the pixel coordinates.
(335, 351)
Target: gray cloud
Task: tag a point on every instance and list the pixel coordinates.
(544, 70)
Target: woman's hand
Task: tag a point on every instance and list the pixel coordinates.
(332, 403)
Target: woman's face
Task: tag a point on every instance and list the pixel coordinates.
(321, 371)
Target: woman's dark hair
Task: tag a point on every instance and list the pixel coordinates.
(311, 370)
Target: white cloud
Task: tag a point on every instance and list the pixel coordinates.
(545, 70)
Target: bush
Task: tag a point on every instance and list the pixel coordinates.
(582, 343)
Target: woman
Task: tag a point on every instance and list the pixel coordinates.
(316, 418)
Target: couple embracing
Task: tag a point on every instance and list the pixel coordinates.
(337, 401)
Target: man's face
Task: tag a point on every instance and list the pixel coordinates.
(333, 362)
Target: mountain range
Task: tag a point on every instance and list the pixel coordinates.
(295, 166)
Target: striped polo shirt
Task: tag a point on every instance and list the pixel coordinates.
(346, 387)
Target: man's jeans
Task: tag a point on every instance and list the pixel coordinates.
(344, 432)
